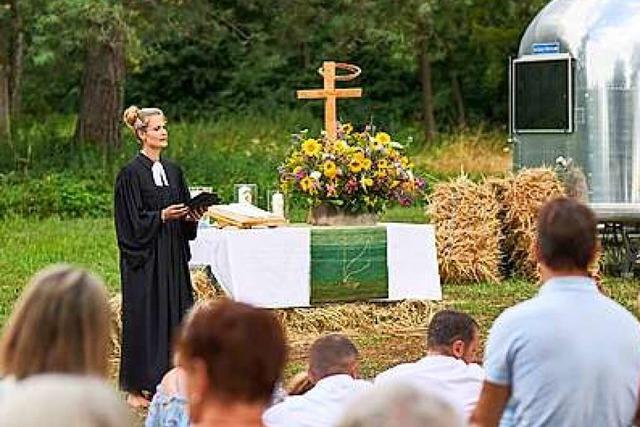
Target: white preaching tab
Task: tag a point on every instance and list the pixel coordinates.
(159, 176)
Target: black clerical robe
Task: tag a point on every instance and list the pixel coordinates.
(156, 286)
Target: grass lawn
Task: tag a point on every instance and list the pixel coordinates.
(30, 245)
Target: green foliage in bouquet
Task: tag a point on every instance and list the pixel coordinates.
(359, 172)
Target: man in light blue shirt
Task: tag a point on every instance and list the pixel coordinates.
(570, 356)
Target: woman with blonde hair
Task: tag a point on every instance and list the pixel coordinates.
(153, 227)
(60, 324)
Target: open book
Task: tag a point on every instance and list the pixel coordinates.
(244, 215)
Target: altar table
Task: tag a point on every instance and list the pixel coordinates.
(276, 267)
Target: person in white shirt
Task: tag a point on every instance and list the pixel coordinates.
(333, 368)
(449, 368)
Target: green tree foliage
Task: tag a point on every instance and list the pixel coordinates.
(196, 58)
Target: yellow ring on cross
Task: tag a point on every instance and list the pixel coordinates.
(355, 71)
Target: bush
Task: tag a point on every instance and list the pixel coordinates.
(55, 194)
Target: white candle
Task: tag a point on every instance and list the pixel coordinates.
(277, 204)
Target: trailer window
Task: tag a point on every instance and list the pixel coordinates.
(542, 95)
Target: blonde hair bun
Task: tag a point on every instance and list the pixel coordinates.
(130, 116)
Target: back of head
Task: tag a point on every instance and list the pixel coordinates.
(62, 401)
(448, 326)
(330, 355)
(242, 348)
(400, 405)
(566, 235)
(60, 324)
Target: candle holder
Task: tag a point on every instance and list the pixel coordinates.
(245, 193)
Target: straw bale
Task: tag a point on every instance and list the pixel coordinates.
(527, 192)
(303, 324)
(499, 187)
(203, 286)
(388, 317)
(115, 333)
(468, 230)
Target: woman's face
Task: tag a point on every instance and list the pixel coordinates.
(156, 136)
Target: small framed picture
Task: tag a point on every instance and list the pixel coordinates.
(245, 193)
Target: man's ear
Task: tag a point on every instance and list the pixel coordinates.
(537, 252)
(457, 349)
(311, 376)
(354, 368)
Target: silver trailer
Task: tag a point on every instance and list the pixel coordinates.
(575, 94)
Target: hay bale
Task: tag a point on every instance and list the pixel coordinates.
(203, 287)
(115, 334)
(499, 186)
(468, 231)
(392, 317)
(522, 200)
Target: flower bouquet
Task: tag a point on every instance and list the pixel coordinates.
(358, 174)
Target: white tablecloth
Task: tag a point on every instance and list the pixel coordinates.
(271, 267)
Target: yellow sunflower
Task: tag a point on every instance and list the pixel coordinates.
(307, 184)
(311, 147)
(382, 138)
(357, 163)
(381, 174)
(329, 169)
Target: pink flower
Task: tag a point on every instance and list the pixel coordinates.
(331, 191)
(351, 186)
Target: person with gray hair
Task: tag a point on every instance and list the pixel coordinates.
(57, 400)
(400, 405)
(333, 371)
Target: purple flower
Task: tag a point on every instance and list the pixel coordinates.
(405, 201)
(351, 186)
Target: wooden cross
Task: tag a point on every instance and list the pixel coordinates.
(330, 93)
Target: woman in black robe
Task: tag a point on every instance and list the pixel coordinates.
(153, 228)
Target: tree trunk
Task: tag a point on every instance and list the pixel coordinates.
(428, 118)
(5, 100)
(458, 100)
(101, 94)
(17, 59)
(5, 105)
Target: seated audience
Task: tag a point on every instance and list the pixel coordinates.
(232, 355)
(569, 356)
(56, 400)
(60, 324)
(448, 368)
(333, 369)
(401, 405)
(169, 405)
